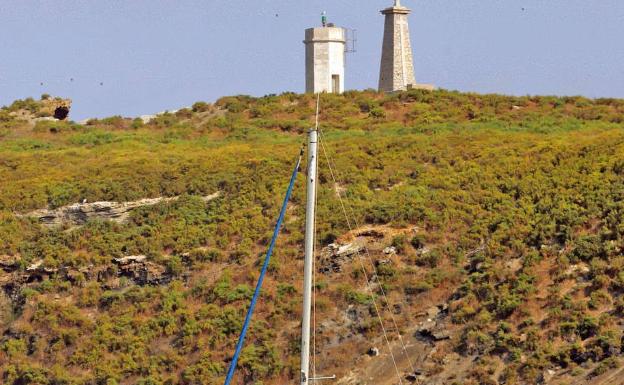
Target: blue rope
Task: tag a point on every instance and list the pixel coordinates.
(241, 338)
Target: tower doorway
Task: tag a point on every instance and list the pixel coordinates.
(336, 84)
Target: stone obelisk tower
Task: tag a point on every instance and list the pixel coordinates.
(397, 64)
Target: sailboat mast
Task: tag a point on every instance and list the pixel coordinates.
(309, 253)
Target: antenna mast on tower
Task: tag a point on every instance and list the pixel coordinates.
(351, 46)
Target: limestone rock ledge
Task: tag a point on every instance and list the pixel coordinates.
(79, 213)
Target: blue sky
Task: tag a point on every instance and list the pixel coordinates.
(136, 57)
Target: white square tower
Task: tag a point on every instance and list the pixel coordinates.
(325, 59)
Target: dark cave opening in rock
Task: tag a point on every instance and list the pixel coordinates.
(61, 113)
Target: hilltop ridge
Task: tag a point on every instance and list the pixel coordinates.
(493, 224)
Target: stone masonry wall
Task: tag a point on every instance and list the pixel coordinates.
(397, 64)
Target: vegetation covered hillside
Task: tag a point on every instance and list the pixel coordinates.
(494, 226)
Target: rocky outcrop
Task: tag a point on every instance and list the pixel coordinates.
(136, 268)
(48, 108)
(131, 259)
(348, 326)
(79, 213)
(371, 233)
(390, 250)
(373, 352)
(334, 256)
(142, 271)
(434, 327)
(55, 107)
(9, 263)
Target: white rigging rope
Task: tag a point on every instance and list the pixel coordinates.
(368, 257)
(368, 282)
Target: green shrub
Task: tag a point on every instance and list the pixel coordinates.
(55, 126)
(355, 297)
(377, 113)
(599, 298)
(588, 247)
(417, 288)
(429, 259)
(200, 107)
(14, 347)
(418, 241)
(398, 242)
(588, 327)
(604, 366)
